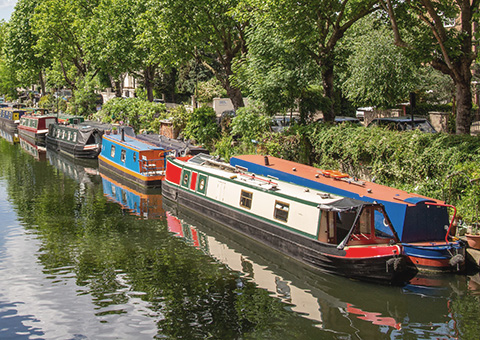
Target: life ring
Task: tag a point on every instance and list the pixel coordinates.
(334, 174)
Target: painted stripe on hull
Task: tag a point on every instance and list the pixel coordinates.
(151, 181)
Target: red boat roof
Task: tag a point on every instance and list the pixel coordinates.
(338, 180)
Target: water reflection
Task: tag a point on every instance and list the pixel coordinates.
(36, 151)
(9, 135)
(336, 304)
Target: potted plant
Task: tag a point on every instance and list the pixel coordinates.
(473, 236)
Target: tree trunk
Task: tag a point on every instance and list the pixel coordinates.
(148, 75)
(464, 107)
(327, 78)
(42, 83)
(235, 96)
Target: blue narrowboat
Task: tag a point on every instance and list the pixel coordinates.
(132, 159)
(422, 223)
(10, 117)
(141, 159)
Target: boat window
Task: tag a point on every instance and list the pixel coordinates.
(134, 157)
(63, 134)
(74, 139)
(123, 155)
(382, 228)
(281, 211)
(69, 135)
(58, 133)
(246, 199)
(112, 151)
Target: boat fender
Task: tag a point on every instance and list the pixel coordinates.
(456, 260)
(395, 262)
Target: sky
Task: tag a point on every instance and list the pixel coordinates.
(6, 9)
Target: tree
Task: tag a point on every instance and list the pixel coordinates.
(110, 40)
(8, 82)
(316, 27)
(447, 48)
(376, 72)
(206, 31)
(60, 27)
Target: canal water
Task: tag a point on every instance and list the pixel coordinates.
(83, 256)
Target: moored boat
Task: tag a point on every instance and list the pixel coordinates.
(140, 159)
(10, 117)
(422, 223)
(335, 234)
(82, 140)
(35, 127)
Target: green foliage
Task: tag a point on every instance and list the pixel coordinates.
(84, 100)
(137, 113)
(179, 116)
(250, 124)
(201, 127)
(377, 72)
(52, 104)
(207, 90)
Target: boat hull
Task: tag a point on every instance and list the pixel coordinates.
(71, 149)
(129, 175)
(387, 269)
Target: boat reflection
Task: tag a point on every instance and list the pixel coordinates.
(38, 152)
(146, 204)
(334, 303)
(80, 170)
(10, 136)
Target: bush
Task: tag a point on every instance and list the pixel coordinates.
(135, 112)
(201, 127)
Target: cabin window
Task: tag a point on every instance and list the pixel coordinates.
(246, 199)
(202, 184)
(58, 133)
(112, 151)
(281, 211)
(123, 155)
(134, 157)
(74, 138)
(63, 134)
(69, 135)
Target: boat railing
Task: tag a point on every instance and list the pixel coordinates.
(153, 167)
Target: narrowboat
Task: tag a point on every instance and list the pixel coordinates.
(142, 203)
(422, 223)
(81, 140)
(140, 159)
(36, 151)
(10, 117)
(334, 234)
(35, 128)
(70, 119)
(134, 160)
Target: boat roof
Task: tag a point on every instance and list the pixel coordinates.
(169, 143)
(324, 200)
(132, 142)
(341, 182)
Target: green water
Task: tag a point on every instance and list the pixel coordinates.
(82, 256)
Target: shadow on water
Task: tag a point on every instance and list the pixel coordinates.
(140, 272)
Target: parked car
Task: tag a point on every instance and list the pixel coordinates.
(279, 123)
(404, 123)
(360, 112)
(344, 119)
